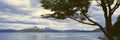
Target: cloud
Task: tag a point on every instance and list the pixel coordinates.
(18, 2)
(14, 26)
(6, 8)
(19, 14)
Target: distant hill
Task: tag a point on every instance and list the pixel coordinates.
(36, 29)
(98, 30)
(73, 30)
(8, 30)
(33, 29)
(47, 29)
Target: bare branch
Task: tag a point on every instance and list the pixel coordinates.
(109, 4)
(81, 21)
(91, 19)
(102, 29)
(115, 7)
(98, 3)
(104, 7)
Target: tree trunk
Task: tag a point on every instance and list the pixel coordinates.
(108, 28)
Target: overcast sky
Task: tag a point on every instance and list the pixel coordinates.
(19, 14)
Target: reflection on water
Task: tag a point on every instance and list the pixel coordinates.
(50, 36)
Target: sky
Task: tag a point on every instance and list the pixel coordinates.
(20, 14)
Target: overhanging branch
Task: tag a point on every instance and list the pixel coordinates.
(102, 29)
(81, 21)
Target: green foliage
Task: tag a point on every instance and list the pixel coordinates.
(66, 8)
(77, 10)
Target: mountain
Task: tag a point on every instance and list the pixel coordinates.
(36, 29)
(33, 29)
(47, 29)
(74, 30)
(8, 30)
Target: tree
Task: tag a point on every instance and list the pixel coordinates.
(116, 28)
(78, 11)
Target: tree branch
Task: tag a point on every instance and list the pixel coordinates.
(109, 4)
(109, 7)
(115, 7)
(102, 29)
(98, 3)
(91, 20)
(104, 7)
(81, 21)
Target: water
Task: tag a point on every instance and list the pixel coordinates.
(50, 36)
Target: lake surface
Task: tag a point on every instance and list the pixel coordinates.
(51, 36)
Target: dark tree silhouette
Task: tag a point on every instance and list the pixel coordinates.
(116, 28)
(78, 11)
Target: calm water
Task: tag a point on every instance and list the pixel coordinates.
(50, 36)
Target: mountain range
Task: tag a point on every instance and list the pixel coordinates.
(8, 30)
(47, 29)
